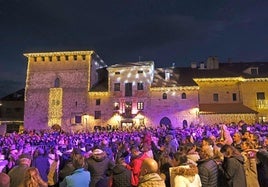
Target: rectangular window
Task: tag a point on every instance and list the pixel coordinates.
(98, 101)
(216, 97)
(58, 58)
(43, 58)
(66, 58)
(50, 58)
(97, 115)
(116, 86)
(117, 73)
(78, 119)
(128, 89)
(234, 97)
(140, 71)
(140, 86)
(140, 105)
(35, 58)
(260, 96)
(75, 57)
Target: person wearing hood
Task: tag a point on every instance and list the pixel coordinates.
(233, 167)
(149, 176)
(185, 174)
(100, 167)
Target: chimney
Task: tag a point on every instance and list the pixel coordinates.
(193, 65)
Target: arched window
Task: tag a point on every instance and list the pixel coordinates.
(57, 82)
(183, 96)
(164, 96)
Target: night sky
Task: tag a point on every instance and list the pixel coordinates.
(165, 31)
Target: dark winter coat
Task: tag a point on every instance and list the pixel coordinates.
(42, 164)
(121, 176)
(100, 168)
(233, 171)
(208, 172)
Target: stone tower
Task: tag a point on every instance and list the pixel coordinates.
(57, 86)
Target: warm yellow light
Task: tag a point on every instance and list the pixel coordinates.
(55, 106)
(61, 53)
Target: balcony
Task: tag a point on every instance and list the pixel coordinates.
(262, 104)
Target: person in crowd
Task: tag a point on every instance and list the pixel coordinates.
(53, 159)
(233, 167)
(105, 147)
(40, 161)
(80, 177)
(123, 152)
(246, 136)
(149, 174)
(225, 136)
(165, 163)
(250, 164)
(12, 157)
(262, 167)
(3, 163)
(265, 143)
(17, 173)
(184, 174)
(4, 180)
(207, 169)
(121, 176)
(32, 178)
(68, 168)
(100, 168)
(237, 140)
(192, 154)
(135, 164)
(171, 144)
(218, 156)
(242, 126)
(207, 145)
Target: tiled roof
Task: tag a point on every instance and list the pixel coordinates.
(229, 108)
(183, 76)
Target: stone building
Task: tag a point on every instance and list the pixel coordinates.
(77, 91)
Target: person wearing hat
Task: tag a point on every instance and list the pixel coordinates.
(100, 167)
(17, 173)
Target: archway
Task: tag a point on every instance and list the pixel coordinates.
(165, 121)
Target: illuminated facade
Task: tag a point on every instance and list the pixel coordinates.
(57, 86)
(77, 91)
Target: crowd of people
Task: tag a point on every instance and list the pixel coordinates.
(220, 155)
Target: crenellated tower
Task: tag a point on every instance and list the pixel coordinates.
(57, 86)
